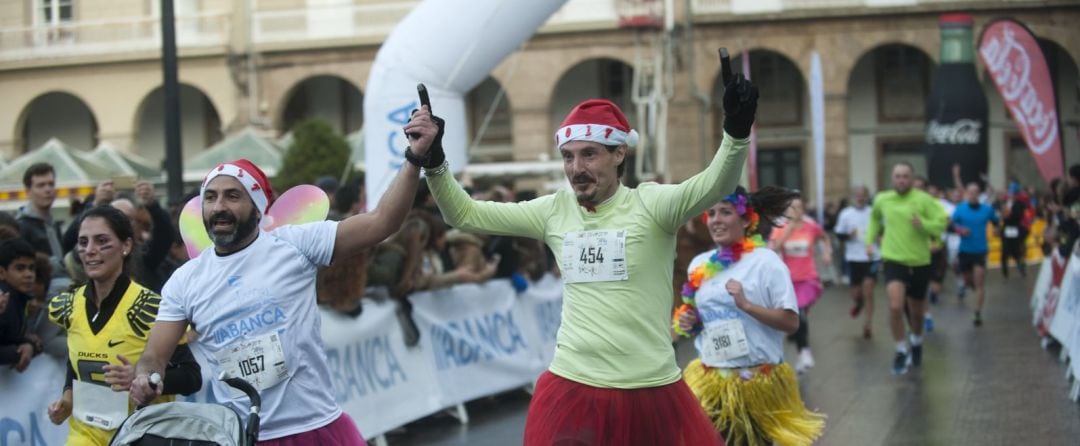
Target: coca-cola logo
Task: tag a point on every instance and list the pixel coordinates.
(961, 131)
(1011, 67)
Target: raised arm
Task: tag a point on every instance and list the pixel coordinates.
(525, 219)
(674, 205)
(365, 230)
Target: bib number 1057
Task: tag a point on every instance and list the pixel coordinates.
(259, 361)
(592, 255)
(252, 365)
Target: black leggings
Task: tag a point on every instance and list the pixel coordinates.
(1012, 248)
(802, 336)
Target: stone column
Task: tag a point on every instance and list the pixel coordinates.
(837, 151)
(533, 134)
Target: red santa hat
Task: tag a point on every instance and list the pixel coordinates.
(596, 120)
(249, 175)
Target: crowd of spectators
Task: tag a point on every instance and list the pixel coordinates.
(423, 255)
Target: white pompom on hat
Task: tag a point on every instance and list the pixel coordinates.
(596, 120)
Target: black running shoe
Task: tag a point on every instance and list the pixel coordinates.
(900, 363)
(916, 355)
(977, 320)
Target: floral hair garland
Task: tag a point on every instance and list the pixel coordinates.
(720, 260)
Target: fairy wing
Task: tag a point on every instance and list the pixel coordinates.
(302, 204)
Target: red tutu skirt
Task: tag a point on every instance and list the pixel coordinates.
(567, 413)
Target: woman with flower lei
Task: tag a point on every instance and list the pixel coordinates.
(739, 302)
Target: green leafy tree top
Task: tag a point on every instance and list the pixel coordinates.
(316, 150)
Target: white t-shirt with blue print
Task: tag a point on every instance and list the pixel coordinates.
(766, 282)
(265, 289)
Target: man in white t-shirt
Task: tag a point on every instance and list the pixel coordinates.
(851, 227)
(952, 198)
(251, 297)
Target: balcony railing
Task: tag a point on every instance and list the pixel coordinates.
(374, 21)
(576, 13)
(110, 36)
(370, 22)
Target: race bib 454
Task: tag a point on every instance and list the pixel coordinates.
(594, 256)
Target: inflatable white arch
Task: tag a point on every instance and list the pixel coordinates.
(450, 46)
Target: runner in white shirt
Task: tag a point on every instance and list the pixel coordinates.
(251, 298)
(952, 240)
(740, 302)
(863, 267)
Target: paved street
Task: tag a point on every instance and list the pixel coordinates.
(992, 385)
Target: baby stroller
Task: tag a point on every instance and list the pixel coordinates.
(184, 424)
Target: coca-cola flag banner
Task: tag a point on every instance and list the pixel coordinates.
(1017, 65)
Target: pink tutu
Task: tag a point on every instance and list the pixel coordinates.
(807, 292)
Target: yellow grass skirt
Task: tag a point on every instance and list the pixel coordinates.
(754, 406)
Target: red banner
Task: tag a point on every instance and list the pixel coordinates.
(1016, 63)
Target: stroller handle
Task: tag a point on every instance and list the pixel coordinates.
(252, 430)
(243, 386)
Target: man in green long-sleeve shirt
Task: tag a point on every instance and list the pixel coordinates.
(614, 369)
(910, 218)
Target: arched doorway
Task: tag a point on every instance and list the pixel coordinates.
(886, 104)
(200, 125)
(57, 115)
(490, 127)
(326, 97)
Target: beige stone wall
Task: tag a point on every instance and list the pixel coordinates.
(276, 5)
(281, 72)
(110, 10)
(114, 90)
(14, 13)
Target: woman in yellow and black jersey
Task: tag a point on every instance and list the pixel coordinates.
(108, 321)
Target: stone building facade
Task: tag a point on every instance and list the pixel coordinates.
(89, 71)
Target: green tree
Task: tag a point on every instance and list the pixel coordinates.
(316, 150)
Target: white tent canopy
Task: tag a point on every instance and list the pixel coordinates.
(247, 144)
(128, 164)
(73, 166)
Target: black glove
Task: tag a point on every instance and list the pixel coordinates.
(740, 99)
(435, 155)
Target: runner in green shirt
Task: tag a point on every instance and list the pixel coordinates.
(614, 379)
(910, 218)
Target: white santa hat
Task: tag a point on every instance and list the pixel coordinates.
(596, 120)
